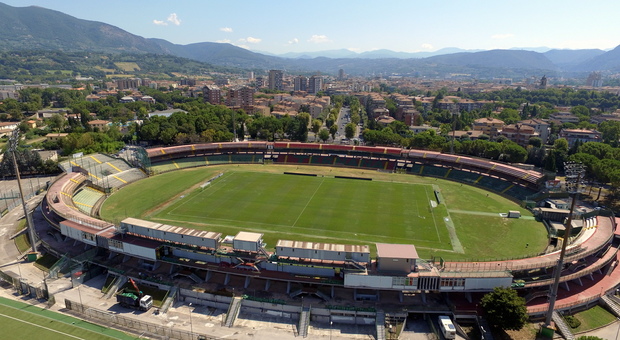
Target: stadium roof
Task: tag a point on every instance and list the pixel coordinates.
(396, 251)
(350, 248)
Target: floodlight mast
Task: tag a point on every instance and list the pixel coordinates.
(574, 175)
(13, 141)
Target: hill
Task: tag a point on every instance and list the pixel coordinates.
(37, 28)
(40, 28)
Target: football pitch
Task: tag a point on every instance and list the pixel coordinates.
(392, 208)
(22, 321)
(322, 209)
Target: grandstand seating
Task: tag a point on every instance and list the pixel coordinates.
(86, 198)
(463, 176)
(435, 171)
(492, 183)
(518, 192)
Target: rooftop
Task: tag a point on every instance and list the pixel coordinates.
(396, 251)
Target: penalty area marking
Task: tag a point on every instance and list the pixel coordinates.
(40, 326)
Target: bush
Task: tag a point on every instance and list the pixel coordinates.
(572, 321)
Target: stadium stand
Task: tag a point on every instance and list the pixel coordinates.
(86, 199)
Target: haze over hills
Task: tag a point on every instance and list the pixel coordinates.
(29, 28)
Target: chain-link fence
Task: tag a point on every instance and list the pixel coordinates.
(134, 325)
(9, 191)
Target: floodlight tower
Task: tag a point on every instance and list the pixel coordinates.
(13, 141)
(574, 176)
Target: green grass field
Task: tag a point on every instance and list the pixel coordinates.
(320, 208)
(22, 321)
(393, 208)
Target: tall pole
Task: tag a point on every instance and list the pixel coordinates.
(13, 148)
(191, 324)
(574, 175)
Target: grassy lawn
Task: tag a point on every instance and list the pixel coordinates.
(393, 208)
(21, 241)
(321, 209)
(127, 66)
(592, 318)
(45, 262)
(22, 321)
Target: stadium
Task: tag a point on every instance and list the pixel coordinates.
(260, 269)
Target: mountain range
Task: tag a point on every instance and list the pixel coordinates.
(37, 28)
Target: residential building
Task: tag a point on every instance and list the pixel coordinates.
(7, 127)
(315, 84)
(564, 117)
(275, 80)
(300, 83)
(260, 82)
(241, 96)
(147, 99)
(128, 83)
(99, 124)
(212, 94)
(584, 136)
(9, 95)
(471, 134)
(519, 133)
(543, 128)
(56, 136)
(489, 126)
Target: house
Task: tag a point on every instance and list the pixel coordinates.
(127, 99)
(99, 124)
(489, 126)
(582, 135)
(56, 136)
(7, 127)
(542, 127)
(519, 133)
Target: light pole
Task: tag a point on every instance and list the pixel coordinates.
(13, 141)
(191, 325)
(574, 175)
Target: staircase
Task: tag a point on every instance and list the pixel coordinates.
(233, 311)
(355, 265)
(562, 326)
(304, 321)
(169, 299)
(57, 267)
(195, 278)
(612, 303)
(118, 283)
(322, 296)
(380, 325)
(295, 293)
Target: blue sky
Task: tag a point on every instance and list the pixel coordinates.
(361, 25)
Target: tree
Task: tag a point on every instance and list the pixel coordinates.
(316, 126)
(504, 308)
(333, 130)
(349, 130)
(324, 134)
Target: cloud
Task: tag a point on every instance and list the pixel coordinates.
(319, 39)
(427, 46)
(174, 19)
(250, 40)
(226, 29)
(293, 41)
(502, 36)
(223, 41)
